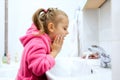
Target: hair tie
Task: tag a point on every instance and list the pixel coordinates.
(45, 11)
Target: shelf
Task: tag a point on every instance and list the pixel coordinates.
(93, 4)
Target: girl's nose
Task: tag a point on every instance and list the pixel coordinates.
(67, 32)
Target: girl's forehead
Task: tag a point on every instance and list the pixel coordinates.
(63, 22)
(61, 18)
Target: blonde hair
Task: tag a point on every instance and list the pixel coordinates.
(42, 17)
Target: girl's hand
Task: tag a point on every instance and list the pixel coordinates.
(57, 45)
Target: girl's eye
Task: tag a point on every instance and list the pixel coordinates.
(65, 29)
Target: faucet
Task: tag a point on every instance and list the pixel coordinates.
(105, 60)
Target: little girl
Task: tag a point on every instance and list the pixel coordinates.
(42, 43)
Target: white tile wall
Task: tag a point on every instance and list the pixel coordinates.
(105, 27)
(1, 28)
(115, 60)
(116, 19)
(115, 39)
(115, 55)
(89, 35)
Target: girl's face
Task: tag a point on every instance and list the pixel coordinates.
(61, 28)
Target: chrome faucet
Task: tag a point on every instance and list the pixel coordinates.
(105, 60)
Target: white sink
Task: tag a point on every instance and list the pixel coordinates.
(69, 67)
(75, 68)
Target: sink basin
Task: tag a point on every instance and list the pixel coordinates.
(65, 68)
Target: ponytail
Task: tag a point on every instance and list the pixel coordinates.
(36, 20)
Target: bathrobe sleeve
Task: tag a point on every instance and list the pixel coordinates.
(39, 61)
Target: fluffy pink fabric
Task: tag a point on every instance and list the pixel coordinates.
(35, 59)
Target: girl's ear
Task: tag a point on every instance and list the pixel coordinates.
(51, 27)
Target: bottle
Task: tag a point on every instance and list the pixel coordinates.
(16, 57)
(4, 58)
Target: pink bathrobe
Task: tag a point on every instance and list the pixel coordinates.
(35, 59)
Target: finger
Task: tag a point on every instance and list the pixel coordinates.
(56, 39)
(61, 39)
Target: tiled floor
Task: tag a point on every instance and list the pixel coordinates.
(8, 71)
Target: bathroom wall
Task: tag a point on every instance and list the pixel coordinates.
(115, 39)
(96, 27)
(105, 27)
(89, 25)
(1, 28)
(109, 31)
